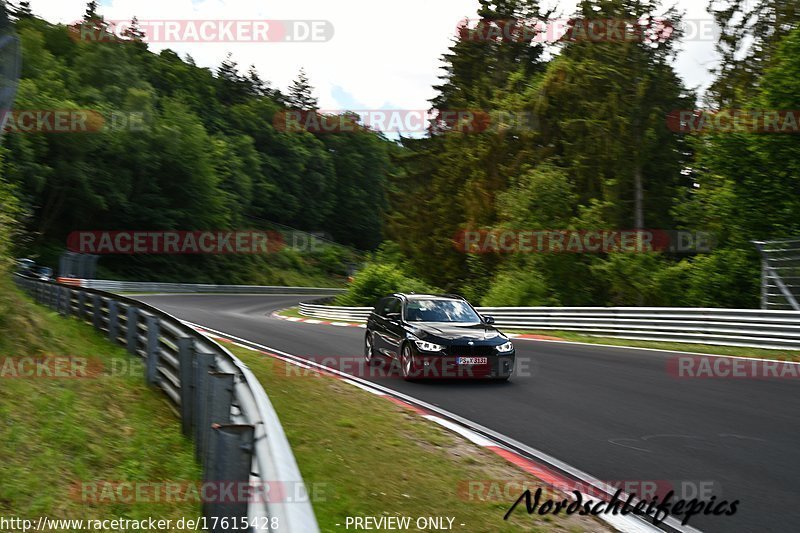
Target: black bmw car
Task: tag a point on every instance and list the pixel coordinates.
(437, 336)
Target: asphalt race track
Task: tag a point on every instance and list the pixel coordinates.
(615, 413)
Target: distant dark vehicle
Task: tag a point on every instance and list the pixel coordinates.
(437, 336)
(43, 273)
(25, 267)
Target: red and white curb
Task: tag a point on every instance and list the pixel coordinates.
(323, 322)
(317, 321)
(540, 470)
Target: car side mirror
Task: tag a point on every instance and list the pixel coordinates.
(393, 316)
(488, 319)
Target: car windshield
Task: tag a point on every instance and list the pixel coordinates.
(440, 311)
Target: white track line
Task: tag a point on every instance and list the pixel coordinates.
(701, 354)
(464, 432)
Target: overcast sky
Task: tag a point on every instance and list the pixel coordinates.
(383, 55)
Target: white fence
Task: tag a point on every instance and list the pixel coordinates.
(753, 328)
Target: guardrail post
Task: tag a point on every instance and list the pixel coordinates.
(81, 305)
(132, 334)
(153, 349)
(66, 301)
(97, 311)
(231, 461)
(203, 364)
(113, 321)
(218, 405)
(186, 375)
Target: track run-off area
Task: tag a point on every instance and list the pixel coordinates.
(619, 414)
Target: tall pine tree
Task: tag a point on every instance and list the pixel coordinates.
(301, 94)
(468, 164)
(134, 31)
(604, 105)
(751, 31)
(91, 12)
(22, 10)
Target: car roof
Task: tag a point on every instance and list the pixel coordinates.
(413, 296)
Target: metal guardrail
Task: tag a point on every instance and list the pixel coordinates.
(179, 288)
(315, 310)
(751, 328)
(223, 407)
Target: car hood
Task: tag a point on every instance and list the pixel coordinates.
(443, 331)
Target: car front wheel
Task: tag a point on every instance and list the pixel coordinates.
(407, 368)
(369, 349)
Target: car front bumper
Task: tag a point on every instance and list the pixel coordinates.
(438, 366)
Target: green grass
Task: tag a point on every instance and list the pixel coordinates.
(292, 312)
(370, 457)
(293, 278)
(60, 433)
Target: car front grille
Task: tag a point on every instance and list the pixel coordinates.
(470, 351)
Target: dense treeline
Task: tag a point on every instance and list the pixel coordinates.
(579, 138)
(601, 156)
(182, 147)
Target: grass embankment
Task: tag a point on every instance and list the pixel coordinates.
(371, 457)
(62, 435)
(783, 355)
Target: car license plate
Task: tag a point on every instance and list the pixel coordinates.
(471, 360)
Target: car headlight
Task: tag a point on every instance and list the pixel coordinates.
(505, 348)
(428, 346)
